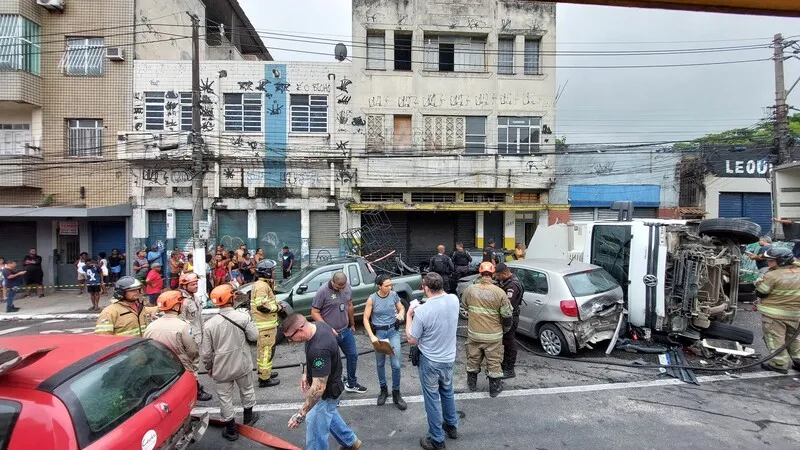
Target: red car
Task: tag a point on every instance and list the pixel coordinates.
(94, 392)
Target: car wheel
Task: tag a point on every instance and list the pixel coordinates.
(463, 313)
(739, 231)
(553, 341)
(721, 330)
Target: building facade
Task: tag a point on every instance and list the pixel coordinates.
(66, 90)
(454, 108)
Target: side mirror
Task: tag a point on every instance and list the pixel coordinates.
(302, 289)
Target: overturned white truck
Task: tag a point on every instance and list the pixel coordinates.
(680, 278)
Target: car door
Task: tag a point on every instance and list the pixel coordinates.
(535, 298)
(304, 292)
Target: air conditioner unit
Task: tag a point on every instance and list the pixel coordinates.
(115, 54)
(52, 5)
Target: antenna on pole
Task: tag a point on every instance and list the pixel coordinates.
(340, 52)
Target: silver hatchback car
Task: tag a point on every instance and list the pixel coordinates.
(567, 306)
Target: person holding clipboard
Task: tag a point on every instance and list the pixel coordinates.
(382, 314)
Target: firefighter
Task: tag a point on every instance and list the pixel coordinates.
(509, 283)
(264, 308)
(128, 315)
(461, 261)
(443, 265)
(192, 309)
(490, 315)
(779, 291)
(226, 356)
(177, 334)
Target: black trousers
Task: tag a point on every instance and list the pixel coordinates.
(510, 346)
(445, 282)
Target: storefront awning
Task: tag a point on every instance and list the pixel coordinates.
(455, 206)
(603, 195)
(125, 210)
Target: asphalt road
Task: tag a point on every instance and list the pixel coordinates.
(551, 403)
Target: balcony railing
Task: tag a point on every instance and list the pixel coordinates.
(18, 143)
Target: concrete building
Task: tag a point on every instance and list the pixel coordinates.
(277, 161)
(66, 90)
(590, 179)
(453, 115)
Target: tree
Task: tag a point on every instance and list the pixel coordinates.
(759, 135)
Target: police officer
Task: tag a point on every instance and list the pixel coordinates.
(128, 316)
(443, 265)
(490, 315)
(192, 311)
(461, 261)
(509, 283)
(177, 334)
(779, 291)
(264, 308)
(490, 253)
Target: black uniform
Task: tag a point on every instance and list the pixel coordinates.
(443, 265)
(461, 260)
(490, 255)
(514, 290)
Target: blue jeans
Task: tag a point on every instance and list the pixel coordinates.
(380, 359)
(347, 342)
(323, 419)
(12, 292)
(437, 390)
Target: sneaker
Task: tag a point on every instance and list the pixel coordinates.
(12, 309)
(358, 389)
(355, 446)
(428, 444)
(268, 383)
(450, 431)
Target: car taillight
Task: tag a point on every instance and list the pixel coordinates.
(569, 308)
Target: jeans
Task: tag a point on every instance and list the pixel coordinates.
(324, 419)
(437, 390)
(380, 359)
(12, 292)
(347, 342)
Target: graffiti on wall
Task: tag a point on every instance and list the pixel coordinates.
(529, 99)
(310, 178)
(148, 177)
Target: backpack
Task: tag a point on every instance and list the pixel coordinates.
(440, 264)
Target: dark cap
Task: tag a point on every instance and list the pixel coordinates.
(500, 267)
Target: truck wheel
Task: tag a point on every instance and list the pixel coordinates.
(553, 341)
(746, 287)
(739, 231)
(721, 330)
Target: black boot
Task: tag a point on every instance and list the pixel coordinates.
(472, 381)
(495, 386)
(202, 395)
(250, 417)
(231, 431)
(268, 383)
(382, 396)
(398, 400)
(508, 372)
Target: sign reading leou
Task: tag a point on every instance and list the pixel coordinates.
(67, 228)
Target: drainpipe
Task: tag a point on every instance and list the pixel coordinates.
(333, 180)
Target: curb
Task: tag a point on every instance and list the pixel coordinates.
(70, 316)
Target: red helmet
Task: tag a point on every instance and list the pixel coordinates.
(222, 295)
(486, 267)
(189, 277)
(168, 300)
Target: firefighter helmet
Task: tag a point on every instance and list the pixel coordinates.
(486, 267)
(168, 300)
(125, 284)
(783, 256)
(222, 295)
(189, 277)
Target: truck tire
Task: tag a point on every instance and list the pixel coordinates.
(746, 288)
(739, 231)
(720, 330)
(747, 297)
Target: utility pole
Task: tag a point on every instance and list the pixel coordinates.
(781, 110)
(199, 233)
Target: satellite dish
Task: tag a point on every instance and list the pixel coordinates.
(340, 52)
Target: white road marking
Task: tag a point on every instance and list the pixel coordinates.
(53, 321)
(88, 330)
(12, 330)
(526, 392)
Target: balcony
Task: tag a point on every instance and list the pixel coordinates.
(17, 154)
(20, 87)
(145, 146)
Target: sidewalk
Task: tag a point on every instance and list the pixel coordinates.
(67, 304)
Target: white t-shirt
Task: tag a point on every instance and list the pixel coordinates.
(104, 263)
(81, 266)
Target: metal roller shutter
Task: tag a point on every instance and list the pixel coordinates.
(426, 231)
(607, 214)
(277, 229)
(581, 214)
(324, 235)
(17, 239)
(645, 213)
(465, 230)
(754, 207)
(107, 236)
(183, 230)
(157, 231)
(397, 230)
(231, 229)
(493, 224)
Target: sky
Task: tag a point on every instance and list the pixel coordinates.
(609, 105)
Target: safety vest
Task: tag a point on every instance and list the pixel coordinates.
(119, 319)
(262, 295)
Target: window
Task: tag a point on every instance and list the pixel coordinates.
(532, 56)
(518, 135)
(375, 136)
(402, 133)
(84, 57)
(9, 413)
(376, 50)
(186, 111)
(19, 44)
(475, 136)
(444, 133)
(309, 113)
(153, 111)
(243, 112)
(611, 250)
(14, 139)
(590, 283)
(455, 53)
(433, 197)
(321, 278)
(111, 391)
(167, 111)
(355, 278)
(505, 56)
(402, 51)
(532, 281)
(85, 137)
